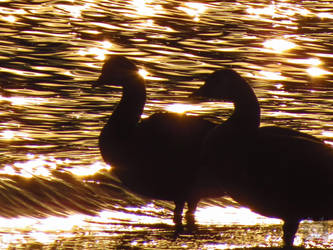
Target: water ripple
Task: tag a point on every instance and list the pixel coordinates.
(51, 52)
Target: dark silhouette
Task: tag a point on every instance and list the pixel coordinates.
(156, 157)
(275, 171)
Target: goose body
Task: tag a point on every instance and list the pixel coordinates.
(277, 172)
(156, 157)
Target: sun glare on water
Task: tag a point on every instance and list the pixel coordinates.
(144, 73)
(182, 108)
(194, 10)
(279, 45)
(90, 170)
(41, 165)
(232, 215)
(317, 72)
(146, 7)
(21, 101)
(99, 52)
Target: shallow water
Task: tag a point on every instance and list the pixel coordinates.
(50, 53)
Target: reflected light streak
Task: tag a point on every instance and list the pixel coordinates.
(147, 75)
(194, 9)
(7, 11)
(59, 225)
(279, 10)
(279, 86)
(133, 217)
(106, 44)
(90, 170)
(42, 237)
(327, 134)
(181, 108)
(22, 72)
(99, 53)
(35, 166)
(279, 45)
(142, 7)
(231, 215)
(269, 75)
(317, 72)
(14, 135)
(144, 73)
(217, 246)
(309, 61)
(51, 228)
(304, 12)
(74, 10)
(9, 19)
(325, 15)
(56, 224)
(7, 134)
(21, 101)
(45, 165)
(147, 24)
(269, 10)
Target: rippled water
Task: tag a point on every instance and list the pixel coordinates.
(51, 51)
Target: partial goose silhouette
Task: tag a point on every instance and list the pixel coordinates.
(277, 172)
(156, 157)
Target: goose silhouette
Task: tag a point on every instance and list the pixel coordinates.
(156, 157)
(276, 172)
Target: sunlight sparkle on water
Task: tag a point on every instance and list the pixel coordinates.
(34, 166)
(232, 215)
(41, 229)
(146, 7)
(24, 229)
(144, 73)
(97, 52)
(44, 165)
(269, 10)
(7, 11)
(182, 108)
(317, 72)
(309, 61)
(279, 45)
(10, 19)
(282, 10)
(106, 44)
(7, 134)
(90, 170)
(325, 15)
(8, 14)
(269, 75)
(327, 134)
(21, 101)
(14, 135)
(194, 9)
(74, 10)
(131, 215)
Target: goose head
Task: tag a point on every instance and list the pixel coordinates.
(223, 84)
(116, 70)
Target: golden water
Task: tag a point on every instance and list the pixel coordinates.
(53, 192)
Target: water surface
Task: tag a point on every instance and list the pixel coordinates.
(51, 51)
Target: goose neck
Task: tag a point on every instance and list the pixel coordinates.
(129, 110)
(246, 113)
